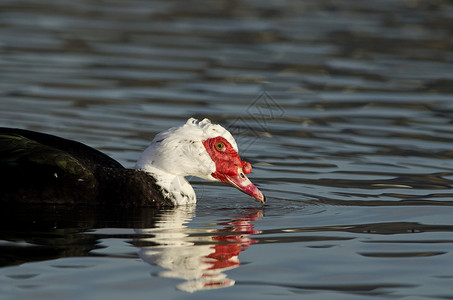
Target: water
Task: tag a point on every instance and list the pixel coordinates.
(344, 109)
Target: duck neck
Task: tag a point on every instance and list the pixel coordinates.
(174, 187)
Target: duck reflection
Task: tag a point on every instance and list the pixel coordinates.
(199, 256)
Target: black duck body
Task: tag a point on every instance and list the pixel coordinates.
(42, 168)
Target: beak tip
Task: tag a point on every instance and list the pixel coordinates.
(261, 200)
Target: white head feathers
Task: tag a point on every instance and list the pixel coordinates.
(180, 151)
(205, 130)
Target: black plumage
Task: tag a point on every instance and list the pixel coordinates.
(42, 168)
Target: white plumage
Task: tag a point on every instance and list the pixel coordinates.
(178, 152)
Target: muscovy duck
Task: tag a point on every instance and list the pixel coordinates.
(41, 168)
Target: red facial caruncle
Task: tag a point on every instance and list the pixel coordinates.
(230, 169)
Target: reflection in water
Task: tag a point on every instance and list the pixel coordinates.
(199, 257)
(201, 252)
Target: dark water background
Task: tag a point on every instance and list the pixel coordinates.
(344, 108)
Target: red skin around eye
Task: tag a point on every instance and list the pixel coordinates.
(228, 161)
(230, 169)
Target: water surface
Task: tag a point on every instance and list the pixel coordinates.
(344, 109)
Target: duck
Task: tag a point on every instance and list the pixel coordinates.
(41, 168)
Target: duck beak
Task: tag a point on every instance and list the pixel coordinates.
(242, 183)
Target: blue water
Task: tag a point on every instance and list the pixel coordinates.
(344, 109)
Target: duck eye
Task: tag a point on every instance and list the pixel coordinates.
(220, 147)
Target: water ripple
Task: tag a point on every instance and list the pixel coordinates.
(343, 108)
